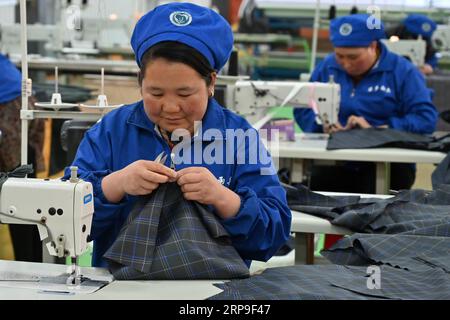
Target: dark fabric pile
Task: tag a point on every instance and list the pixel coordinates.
(169, 238)
(406, 238)
(384, 138)
(337, 282)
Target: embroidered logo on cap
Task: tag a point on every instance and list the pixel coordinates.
(426, 27)
(180, 18)
(345, 29)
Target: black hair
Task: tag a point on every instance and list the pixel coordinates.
(177, 52)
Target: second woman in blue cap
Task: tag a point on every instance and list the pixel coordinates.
(378, 89)
(180, 48)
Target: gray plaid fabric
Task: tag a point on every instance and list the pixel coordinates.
(409, 252)
(441, 175)
(320, 282)
(408, 236)
(385, 137)
(411, 211)
(301, 198)
(167, 237)
(306, 282)
(405, 285)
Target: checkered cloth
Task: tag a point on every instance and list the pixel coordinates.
(408, 236)
(167, 237)
(411, 211)
(409, 252)
(385, 137)
(323, 282)
(441, 175)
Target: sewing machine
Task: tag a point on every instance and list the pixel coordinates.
(441, 38)
(252, 99)
(62, 211)
(414, 50)
(51, 35)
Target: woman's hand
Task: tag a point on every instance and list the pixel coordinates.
(139, 178)
(332, 128)
(199, 184)
(357, 122)
(426, 69)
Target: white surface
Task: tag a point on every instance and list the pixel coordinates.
(275, 261)
(314, 147)
(123, 290)
(49, 105)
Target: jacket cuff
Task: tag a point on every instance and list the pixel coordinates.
(243, 221)
(96, 180)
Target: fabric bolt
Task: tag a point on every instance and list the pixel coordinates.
(385, 137)
(169, 238)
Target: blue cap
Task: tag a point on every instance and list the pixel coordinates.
(10, 80)
(356, 30)
(419, 24)
(198, 27)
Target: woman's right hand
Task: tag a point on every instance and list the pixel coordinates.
(138, 178)
(332, 128)
(143, 176)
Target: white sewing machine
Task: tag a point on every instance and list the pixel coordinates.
(252, 99)
(441, 38)
(62, 211)
(414, 50)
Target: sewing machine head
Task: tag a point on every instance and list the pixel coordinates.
(253, 99)
(62, 211)
(441, 38)
(414, 50)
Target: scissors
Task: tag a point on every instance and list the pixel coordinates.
(161, 158)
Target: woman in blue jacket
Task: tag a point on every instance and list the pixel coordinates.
(378, 88)
(179, 48)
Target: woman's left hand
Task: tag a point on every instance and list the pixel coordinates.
(357, 122)
(199, 184)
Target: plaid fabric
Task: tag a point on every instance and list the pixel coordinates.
(320, 282)
(384, 137)
(167, 237)
(408, 236)
(411, 211)
(301, 198)
(409, 252)
(306, 282)
(441, 175)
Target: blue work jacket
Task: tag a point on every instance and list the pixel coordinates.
(10, 80)
(125, 135)
(393, 93)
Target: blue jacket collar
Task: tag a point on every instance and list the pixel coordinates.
(385, 61)
(214, 118)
